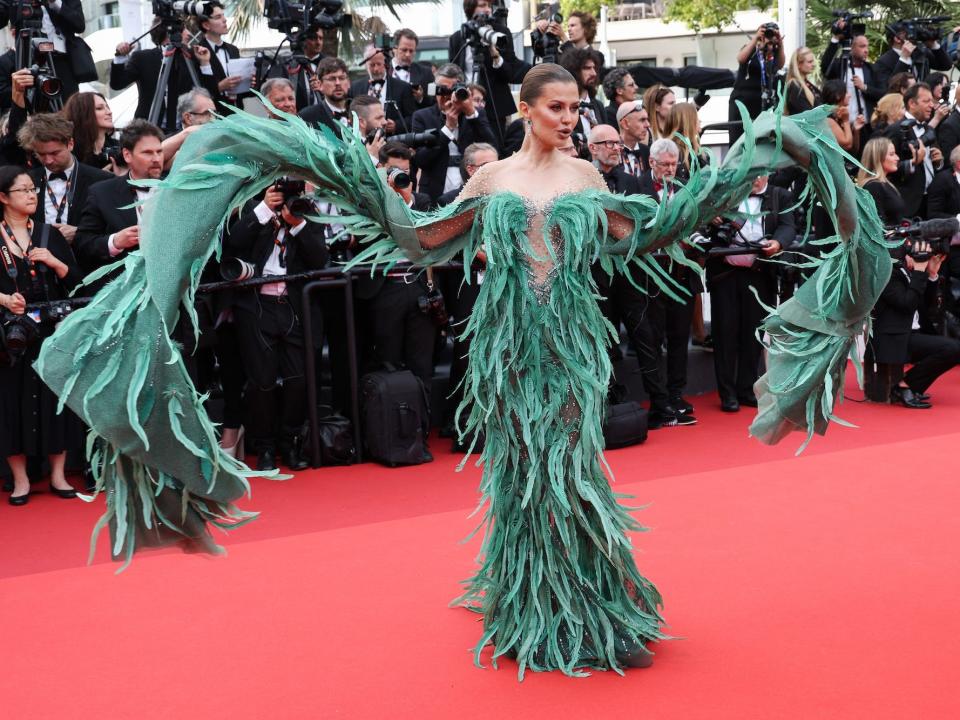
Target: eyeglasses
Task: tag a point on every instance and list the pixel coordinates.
(661, 163)
(334, 78)
(35, 191)
(479, 165)
(609, 144)
(205, 113)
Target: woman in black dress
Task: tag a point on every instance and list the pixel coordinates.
(879, 161)
(802, 94)
(38, 266)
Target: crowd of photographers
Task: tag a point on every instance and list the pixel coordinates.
(69, 209)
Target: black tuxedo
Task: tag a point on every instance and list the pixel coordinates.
(220, 72)
(433, 161)
(420, 77)
(398, 102)
(496, 81)
(599, 112)
(618, 181)
(104, 214)
(736, 313)
(318, 115)
(143, 68)
(889, 64)
(943, 195)
(948, 134)
(876, 85)
(8, 65)
(84, 179)
(912, 185)
(299, 76)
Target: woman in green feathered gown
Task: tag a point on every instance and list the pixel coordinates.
(558, 587)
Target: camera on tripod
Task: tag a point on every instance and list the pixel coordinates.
(293, 17)
(919, 29)
(850, 28)
(174, 9)
(34, 52)
(479, 31)
(546, 45)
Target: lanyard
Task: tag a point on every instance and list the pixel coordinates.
(61, 204)
(8, 261)
(763, 68)
(281, 243)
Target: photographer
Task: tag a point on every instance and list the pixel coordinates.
(63, 24)
(493, 65)
(905, 55)
(62, 181)
(279, 92)
(393, 94)
(277, 240)
(913, 289)
(395, 158)
(768, 225)
(460, 124)
(584, 64)
(142, 67)
(634, 124)
(913, 142)
(619, 87)
(581, 32)
(372, 121)
(38, 266)
(108, 226)
(301, 69)
(214, 26)
(859, 75)
(943, 201)
(404, 66)
(948, 131)
(758, 63)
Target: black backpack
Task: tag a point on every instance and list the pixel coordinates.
(625, 425)
(396, 419)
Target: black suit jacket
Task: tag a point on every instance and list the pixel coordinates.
(889, 64)
(253, 242)
(143, 68)
(618, 181)
(219, 72)
(398, 104)
(876, 84)
(948, 135)
(943, 195)
(104, 214)
(85, 178)
(905, 294)
(8, 64)
(496, 81)
(420, 77)
(433, 161)
(317, 115)
(299, 76)
(912, 185)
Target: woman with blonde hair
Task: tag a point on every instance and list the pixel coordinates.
(658, 99)
(802, 94)
(879, 161)
(684, 120)
(888, 111)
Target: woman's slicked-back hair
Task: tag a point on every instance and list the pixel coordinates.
(540, 76)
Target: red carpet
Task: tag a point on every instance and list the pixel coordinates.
(822, 586)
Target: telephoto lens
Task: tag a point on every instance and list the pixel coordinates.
(234, 269)
(399, 178)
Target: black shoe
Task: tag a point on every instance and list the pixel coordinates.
(748, 400)
(266, 460)
(657, 419)
(19, 499)
(65, 494)
(730, 406)
(905, 396)
(681, 406)
(683, 420)
(294, 460)
(922, 397)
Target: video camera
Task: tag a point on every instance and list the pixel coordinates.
(936, 233)
(25, 14)
(725, 239)
(546, 45)
(293, 17)
(428, 138)
(479, 31)
(850, 28)
(919, 29)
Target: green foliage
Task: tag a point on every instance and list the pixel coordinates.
(701, 15)
(819, 18)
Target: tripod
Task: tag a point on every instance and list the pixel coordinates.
(847, 66)
(173, 59)
(480, 61)
(30, 50)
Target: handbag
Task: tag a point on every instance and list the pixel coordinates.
(81, 59)
(335, 435)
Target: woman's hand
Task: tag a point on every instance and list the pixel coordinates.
(859, 122)
(15, 303)
(43, 255)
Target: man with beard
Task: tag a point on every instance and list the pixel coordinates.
(333, 83)
(584, 64)
(619, 87)
(393, 94)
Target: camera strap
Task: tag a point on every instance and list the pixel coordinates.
(8, 264)
(10, 237)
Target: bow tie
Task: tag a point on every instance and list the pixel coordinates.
(634, 153)
(657, 186)
(757, 195)
(57, 176)
(338, 114)
(402, 67)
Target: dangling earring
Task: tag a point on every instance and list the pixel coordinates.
(529, 123)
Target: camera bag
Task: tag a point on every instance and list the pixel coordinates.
(624, 425)
(396, 417)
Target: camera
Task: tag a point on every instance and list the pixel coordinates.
(19, 332)
(293, 17)
(433, 307)
(919, 29)
(850, 29)
(908, 136)
(48, 84)
(166, 9)
(546, 45)
(771, 31)
(479, 29)
(460, 92)
(937, 233)
(399, 178)
(415, 140)
(292, 190)
(234, 269)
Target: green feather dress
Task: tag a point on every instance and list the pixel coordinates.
(557, 586)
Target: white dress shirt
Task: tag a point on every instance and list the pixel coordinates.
(272, 266)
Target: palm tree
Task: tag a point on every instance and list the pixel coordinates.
(357, 31)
